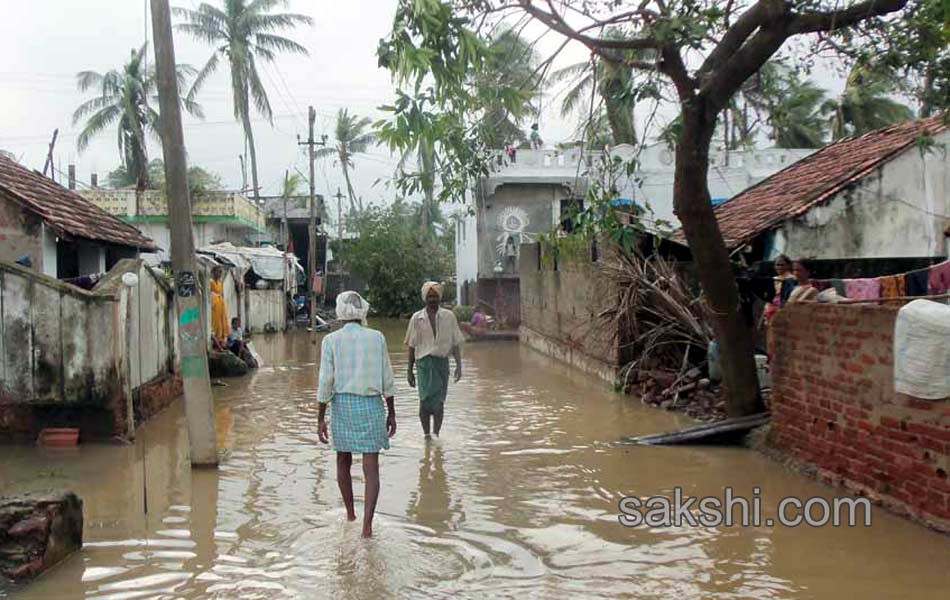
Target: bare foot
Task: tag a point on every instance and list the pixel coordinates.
(367, 531)
(351, 516)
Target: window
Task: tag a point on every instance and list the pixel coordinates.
(569, 209)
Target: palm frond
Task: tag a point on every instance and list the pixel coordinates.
(96, 124)
(88, 79)
(258, 93)
(362, 142)
(199, 31)
(267, 41)
(206, 71)
(325, 152)
(576, 95)
(257, 21)
(90, 106)
(570, 72)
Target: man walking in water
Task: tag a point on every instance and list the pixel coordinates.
(355, 376)
(432, 335)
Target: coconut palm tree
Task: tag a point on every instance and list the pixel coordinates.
(505, 86)
(124, 97)
(242, 33)
(352, 138)
(796, 118)
(865, 104)
(615, 85)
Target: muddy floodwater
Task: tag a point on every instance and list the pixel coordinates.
(518, 499)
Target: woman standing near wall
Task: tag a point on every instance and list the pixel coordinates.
(219, 309)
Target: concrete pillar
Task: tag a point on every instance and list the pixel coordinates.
(94, 180)
(72, 176)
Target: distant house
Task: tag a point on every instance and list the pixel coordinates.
(885, 194)
(730, 173)
(512, 206)
(63, 234)
(296, 211)
(216, 216)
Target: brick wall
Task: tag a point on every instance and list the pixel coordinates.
(834, 408)
(560, 304)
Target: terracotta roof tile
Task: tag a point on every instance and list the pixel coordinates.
(66, 212)
(794, 190)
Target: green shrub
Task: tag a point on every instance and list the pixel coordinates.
(464, 313)
(394, 257)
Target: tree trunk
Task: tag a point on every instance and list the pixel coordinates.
(246, 121)
(622, 127)
(926, 96)
(692, 204)
(428, 184)
(349, 187)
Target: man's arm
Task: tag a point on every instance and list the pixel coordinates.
(322, 431)
(390, 416)
(412, 367)
(457, 355)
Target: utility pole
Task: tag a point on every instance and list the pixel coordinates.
(49, 156)
(312, 229)
(284, 231)
(339, 230)
(192, 338)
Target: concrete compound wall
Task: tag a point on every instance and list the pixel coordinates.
(834, 409)
(559, 307)
(21, 234)
(265, 309)
(70, 357)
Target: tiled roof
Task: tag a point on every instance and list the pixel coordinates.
(794, 190)
(64, 211)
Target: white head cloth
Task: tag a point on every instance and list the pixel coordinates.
(429, 286)
(350, 306)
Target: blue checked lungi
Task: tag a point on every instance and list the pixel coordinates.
(358, 423)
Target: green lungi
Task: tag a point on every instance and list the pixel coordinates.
(433, 376)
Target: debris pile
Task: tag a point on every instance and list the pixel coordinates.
(664, 329)
(690, 393)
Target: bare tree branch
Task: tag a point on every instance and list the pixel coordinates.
(557, 23)
(842, 19)
(737, 35)
(672, 65)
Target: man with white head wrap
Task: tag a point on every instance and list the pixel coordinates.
(432, 335)
(355, 376)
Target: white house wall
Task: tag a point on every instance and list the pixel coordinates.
(899, 210)
(466, 252)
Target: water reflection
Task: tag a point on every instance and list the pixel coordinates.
(517, 499)
(431, 501)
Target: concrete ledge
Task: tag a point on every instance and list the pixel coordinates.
(572, 356)
(154, 396)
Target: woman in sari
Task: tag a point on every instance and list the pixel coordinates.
(219, 311)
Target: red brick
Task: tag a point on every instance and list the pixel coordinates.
(890, 422)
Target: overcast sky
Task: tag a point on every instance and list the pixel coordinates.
(44, 43)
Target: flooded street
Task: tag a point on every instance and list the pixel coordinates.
(518, 499)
